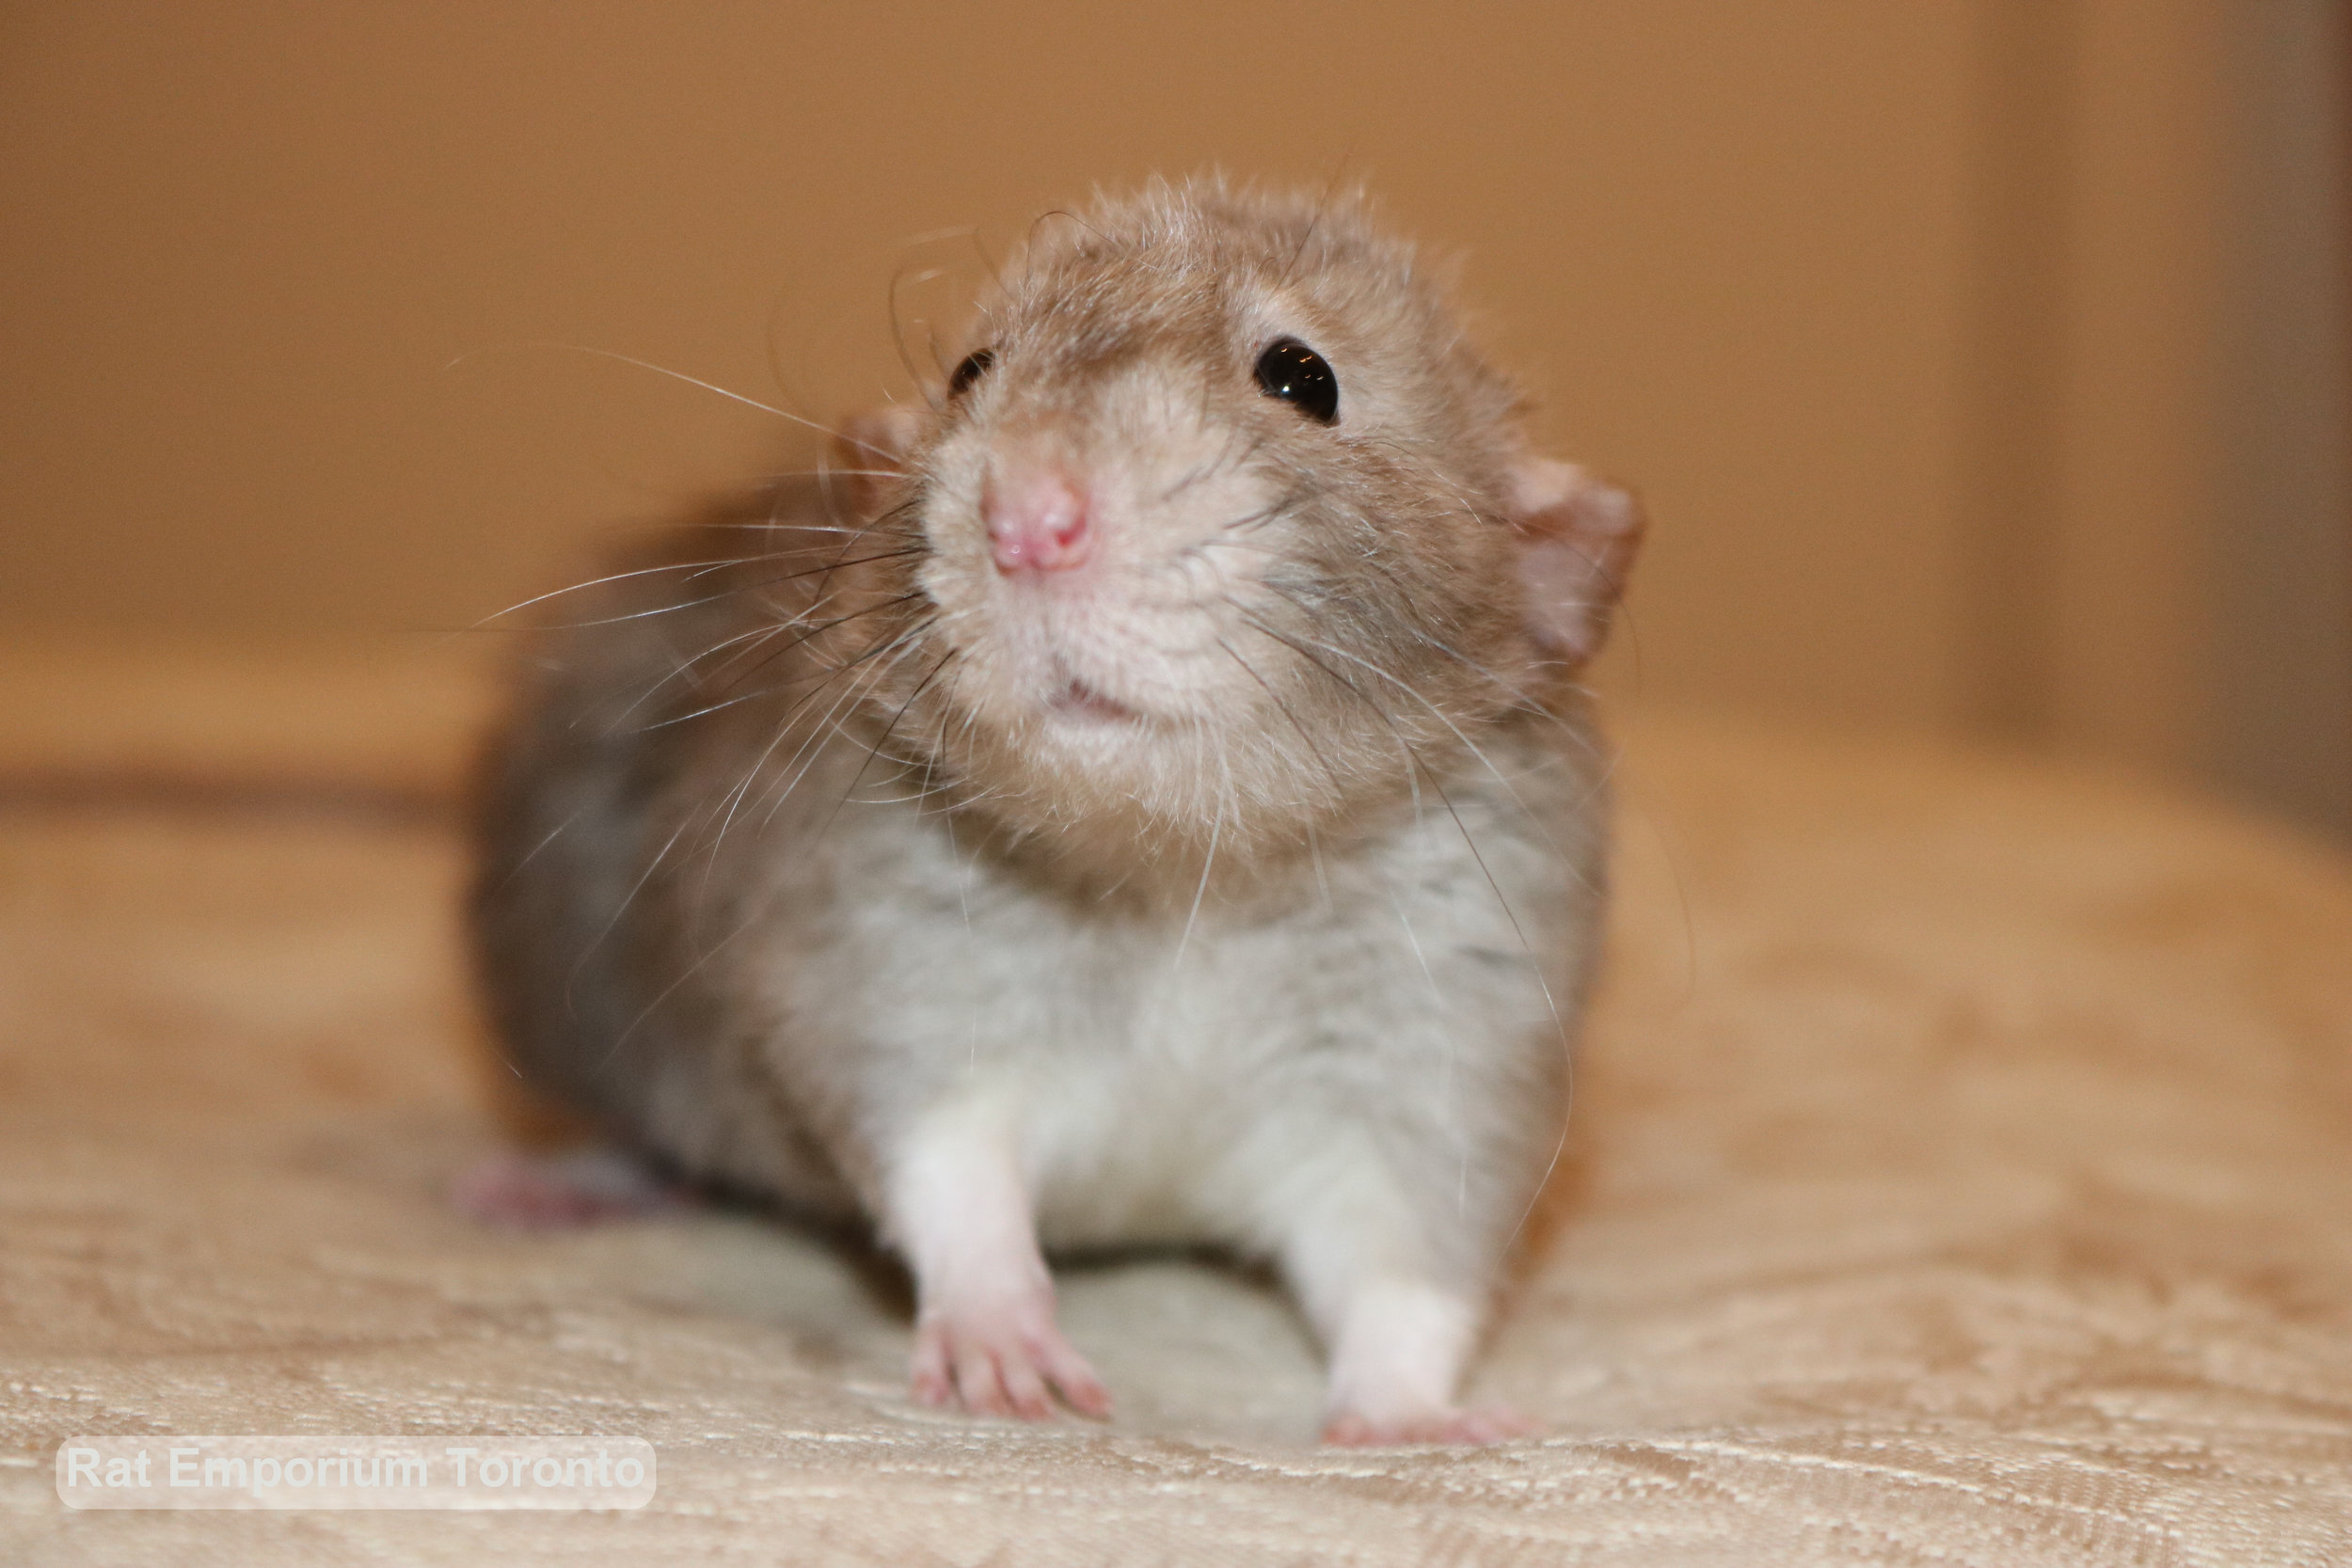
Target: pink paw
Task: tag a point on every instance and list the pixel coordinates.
(1003, 1360)
(524, 1191)
(1491, 1424)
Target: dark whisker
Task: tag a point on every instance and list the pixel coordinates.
(1338, 790)
(738, 588)
(773, 655)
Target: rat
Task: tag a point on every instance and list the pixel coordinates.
(1139, 795)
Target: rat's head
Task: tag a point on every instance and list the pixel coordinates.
(1224, 529)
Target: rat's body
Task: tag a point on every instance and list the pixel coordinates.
(1161, 815)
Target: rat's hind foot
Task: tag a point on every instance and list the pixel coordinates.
(1004, 1359)
(554, 1192)
(1397, 1347)
(1490, 1424)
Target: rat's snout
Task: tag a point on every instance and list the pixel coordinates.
(1037, 516)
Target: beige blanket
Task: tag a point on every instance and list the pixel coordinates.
(1960, 1174)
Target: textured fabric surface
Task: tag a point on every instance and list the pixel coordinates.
(1959, 1175)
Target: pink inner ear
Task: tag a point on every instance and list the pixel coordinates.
(1561, 612)
(1577, 537)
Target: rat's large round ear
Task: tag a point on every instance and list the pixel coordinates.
(869, 455)
(1577, 536)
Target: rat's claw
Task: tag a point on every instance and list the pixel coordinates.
(1075, 1380)
(1006, 1361)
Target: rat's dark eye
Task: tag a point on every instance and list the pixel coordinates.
(975, 366)
(1291, 370)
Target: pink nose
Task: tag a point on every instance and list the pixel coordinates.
(1036, 519)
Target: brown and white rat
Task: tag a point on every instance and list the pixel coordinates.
(1142, 797)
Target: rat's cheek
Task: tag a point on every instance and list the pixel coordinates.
(1004, 669)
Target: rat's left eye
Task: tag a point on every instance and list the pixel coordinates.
(1297, 374)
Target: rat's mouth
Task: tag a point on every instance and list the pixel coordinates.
(1079, 702)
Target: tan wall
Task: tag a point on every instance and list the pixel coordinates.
(1902, 315)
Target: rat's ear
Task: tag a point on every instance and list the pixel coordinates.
(870, 454)
(1577, 538)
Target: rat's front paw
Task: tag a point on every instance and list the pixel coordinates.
(1006, 1358)
(1490, 1424)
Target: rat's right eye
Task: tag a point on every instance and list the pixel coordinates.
(975, 366)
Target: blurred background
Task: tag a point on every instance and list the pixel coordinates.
(1984, 362)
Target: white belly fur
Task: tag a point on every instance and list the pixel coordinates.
(1401, 1038)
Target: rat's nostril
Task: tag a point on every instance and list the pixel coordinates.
(1036, 519)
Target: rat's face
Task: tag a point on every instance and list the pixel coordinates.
(1218, 533)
